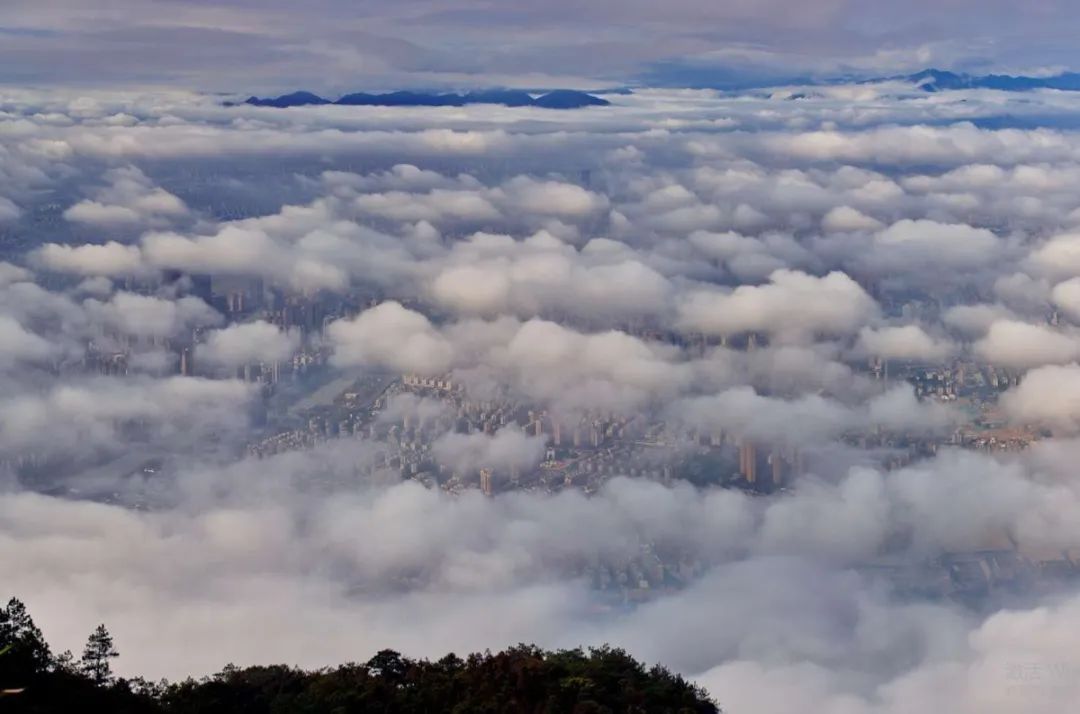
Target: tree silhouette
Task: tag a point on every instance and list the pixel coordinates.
(523, 679)
(26, 652)
(95, 659)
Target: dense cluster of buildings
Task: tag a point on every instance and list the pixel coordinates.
(305, 404)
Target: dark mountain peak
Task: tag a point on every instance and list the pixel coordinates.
(937, 75)
(934, 80)
(569, 99)
(296, 99)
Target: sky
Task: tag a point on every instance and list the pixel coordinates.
(340, 45)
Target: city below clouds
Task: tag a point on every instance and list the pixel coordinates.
(778, 387)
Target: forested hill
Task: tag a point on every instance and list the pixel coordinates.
(518, 680)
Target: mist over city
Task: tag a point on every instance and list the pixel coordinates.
(752, 350)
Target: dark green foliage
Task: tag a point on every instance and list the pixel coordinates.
(521, 680)
(40, 683)
(26, 652)
(95, 660)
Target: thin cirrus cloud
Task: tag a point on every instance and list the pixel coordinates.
(378, 43)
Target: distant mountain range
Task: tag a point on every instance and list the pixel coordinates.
(928, 80)
(558, 99)
(936, 80)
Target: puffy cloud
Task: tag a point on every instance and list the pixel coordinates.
(906, 342)
(111, 259)
(744, 412)
(751, 259)
(1021, 345)
(80, 418)
(8, 210)
(1023, 293)
(1066, 295)
(956, 143)
(974, 320)
(17, 344)
(808, 419)
(249, 342)
(13, 273)
(434, 207)
(508, 449)
(491, 275)
(1058, 257)
(390, 335)
(1048, 395)
(232, 250)
(401, 177)
(552, 198)
(898, 409)
(143, 315)
(608, 370)
(929, 245)
(237, 250)
(792, 304)
(99, 214)
(130, 199)
(845, 219)
(464, 200)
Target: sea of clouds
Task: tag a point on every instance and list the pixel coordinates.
(536, 252)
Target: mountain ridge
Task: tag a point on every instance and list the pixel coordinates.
(936, 80)
(555, 99)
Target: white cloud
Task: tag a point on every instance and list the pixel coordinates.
(129, 199)
(390, 335)
(1021, 345)
(1048, 395)
(143, 315)
(791, 304)
(111, 259)
(9, 211)
(906, 342)
(249, 342)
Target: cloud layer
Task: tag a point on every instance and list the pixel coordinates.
(206, 313)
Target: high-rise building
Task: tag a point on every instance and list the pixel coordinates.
(776, 460)
(486, 485)
(187, 363)
(748, 461)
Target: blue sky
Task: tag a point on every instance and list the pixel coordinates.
(339, 44)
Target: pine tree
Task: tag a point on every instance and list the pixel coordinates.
(65, 663)
(26, 652)
(95, 659)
